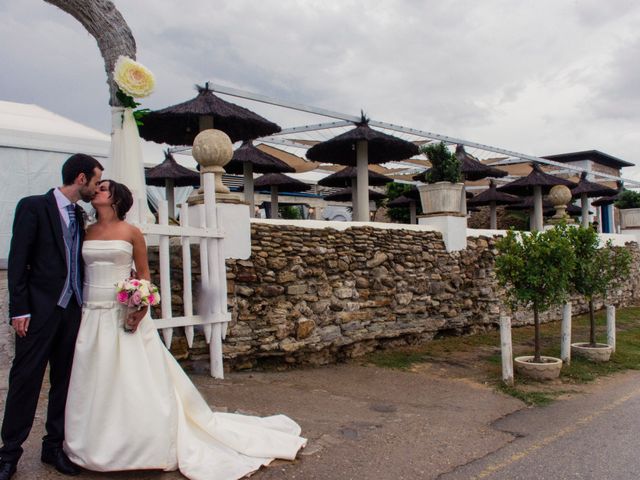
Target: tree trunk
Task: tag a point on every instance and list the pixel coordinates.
(105, 23)
(536, 322)
(592, 324)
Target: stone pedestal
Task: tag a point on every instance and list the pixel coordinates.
(453, 228)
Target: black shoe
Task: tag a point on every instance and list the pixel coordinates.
(7, 469)
(59, 459)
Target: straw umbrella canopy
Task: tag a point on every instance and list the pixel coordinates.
(359, 147)
(536, 184)
(406, 200)
(347, 177)
(601, 202)
(344, 178)
(248, 159)
(279, 181)
(474, 169)
(170, 174)
(493, 197)
(345, 194)
(400, 201)
(179, 124)
(587, 189)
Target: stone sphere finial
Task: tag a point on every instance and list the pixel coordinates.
(560, 196)
(212, 148)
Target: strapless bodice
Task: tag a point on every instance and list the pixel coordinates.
(106, 263)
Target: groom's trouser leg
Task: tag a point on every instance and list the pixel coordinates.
(25, 381)
(60, 363)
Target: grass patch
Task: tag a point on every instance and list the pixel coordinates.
(534, 398)
(478, 356)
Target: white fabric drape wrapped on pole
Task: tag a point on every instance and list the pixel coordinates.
(126, 162)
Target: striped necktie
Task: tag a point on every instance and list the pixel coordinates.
(71, 209)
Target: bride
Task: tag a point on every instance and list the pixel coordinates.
(130, 406)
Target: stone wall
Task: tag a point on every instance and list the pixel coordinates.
(317, 296)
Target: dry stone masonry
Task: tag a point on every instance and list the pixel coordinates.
(317, 296)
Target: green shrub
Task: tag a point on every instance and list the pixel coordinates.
(445, 167)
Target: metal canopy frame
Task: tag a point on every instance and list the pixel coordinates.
(346, 120)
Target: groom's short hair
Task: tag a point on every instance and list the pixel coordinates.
(77, 164)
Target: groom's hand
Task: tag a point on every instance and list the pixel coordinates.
(21, 325)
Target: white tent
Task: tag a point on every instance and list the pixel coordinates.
(34, 143)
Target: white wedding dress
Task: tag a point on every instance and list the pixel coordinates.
(132, 407)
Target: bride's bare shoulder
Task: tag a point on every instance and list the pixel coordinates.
(132, 229)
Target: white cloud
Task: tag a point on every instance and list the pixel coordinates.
(538, 77)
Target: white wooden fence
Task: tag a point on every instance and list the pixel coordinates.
(212, 312)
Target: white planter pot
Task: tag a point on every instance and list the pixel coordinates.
(441, 197)
(548, 370)
(600, 353)
(629, 218)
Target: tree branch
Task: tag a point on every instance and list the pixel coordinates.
(107, 25)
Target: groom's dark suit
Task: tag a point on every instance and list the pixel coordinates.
(38, 273)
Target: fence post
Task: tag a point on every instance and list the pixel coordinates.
(506, 349)
(165, 279)
(212, 149)
(187, 293)
(565, 344)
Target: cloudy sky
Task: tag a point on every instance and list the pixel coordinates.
(539, 77)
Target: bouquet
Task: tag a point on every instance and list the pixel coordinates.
(136, 293)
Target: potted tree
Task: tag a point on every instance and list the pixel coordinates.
(596, 271)
(536, 268)
(628, 204)
(443, 191)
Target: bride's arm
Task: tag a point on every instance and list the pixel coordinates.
(142, 267)
(140, 253)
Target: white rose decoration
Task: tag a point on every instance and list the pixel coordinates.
(133, 78)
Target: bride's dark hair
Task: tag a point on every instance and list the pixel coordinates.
(121, 196)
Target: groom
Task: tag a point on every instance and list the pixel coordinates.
(45, 298)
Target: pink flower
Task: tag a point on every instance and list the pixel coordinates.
(122, 297)
(136, 299)
(151, 299)
(135, 282)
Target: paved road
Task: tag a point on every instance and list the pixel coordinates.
(364, 422)
(591, 436)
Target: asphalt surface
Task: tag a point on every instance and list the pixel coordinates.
(367, 422)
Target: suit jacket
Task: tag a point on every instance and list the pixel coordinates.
(37, 266)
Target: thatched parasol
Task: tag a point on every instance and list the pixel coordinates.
(601, 202)
(492, 197)
(279, 181)
(344, 195)
(536, 183)
(549, 209)
(179, 124)
(359, 147)
(345, 177)
(587, 189)
(248, 159)
(401, 201)
(473, 169)
(407, 201)
(348, 177)
(170, 174)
